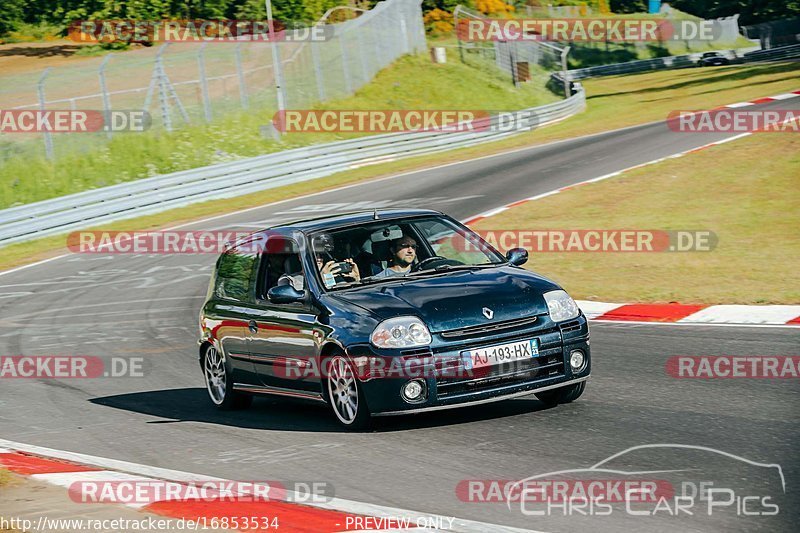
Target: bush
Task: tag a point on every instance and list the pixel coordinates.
(438, 22)
(493, 7)
(34, 32)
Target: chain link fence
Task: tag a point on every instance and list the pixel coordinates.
(521, 60)
(180, 84)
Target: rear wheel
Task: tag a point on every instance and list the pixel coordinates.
(345, 395)
(566, 394)
(219, 383)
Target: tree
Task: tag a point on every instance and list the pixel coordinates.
(750, 12)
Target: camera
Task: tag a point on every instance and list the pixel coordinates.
(344, 267)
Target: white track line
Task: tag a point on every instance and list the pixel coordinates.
(337, 504)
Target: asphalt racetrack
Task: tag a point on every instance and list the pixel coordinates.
(124, 305)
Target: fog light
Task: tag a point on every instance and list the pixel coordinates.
(414, 390)
(577, 360)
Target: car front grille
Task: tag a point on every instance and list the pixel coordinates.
(546, 366)
(570, 326)
(489, 329)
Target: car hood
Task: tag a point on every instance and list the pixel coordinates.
(456, 299)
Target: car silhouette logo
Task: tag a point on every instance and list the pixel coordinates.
(488, 313)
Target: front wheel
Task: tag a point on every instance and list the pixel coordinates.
(219, 383)
(566, 394)
(345, 395)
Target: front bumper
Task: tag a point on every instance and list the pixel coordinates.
(499, 396)
(445, 390)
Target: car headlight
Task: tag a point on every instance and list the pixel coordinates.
(561, 306)
(401, 332)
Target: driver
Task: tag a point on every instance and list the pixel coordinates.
(404, 253)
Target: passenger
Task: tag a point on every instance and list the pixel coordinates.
(329, 268)
(404, 253)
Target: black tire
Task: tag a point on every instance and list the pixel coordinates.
(566, 394)
(344, 394)
(219, 383)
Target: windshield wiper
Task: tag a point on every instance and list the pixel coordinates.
(455, 268)
(365, 281)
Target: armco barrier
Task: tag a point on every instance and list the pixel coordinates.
(745, 55)
(153, 195)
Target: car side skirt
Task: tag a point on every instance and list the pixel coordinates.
(278, 391)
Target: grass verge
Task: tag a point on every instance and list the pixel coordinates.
(744, 191)
(613, 103)
(5, 477)
(412, 82)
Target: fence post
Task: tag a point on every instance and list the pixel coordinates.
(362, 57)
(201, 67)
(48, 139)
(240, 74)
(348, 86)
(564, 53)
(277, 72)
(318, 71)
(101, 72)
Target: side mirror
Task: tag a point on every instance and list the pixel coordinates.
(284, 294)
(517, 256)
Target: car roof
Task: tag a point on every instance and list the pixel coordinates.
(311, 225)
(329, 222)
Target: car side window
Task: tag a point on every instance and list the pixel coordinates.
(234, 275)
(280, 265)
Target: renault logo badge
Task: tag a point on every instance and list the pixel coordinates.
(488, 313)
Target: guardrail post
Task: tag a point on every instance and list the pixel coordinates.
(48, 139)
(101, 72)
(240, 74)
(201, 67)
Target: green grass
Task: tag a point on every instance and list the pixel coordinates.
(614, 102)
(27, 33)
(413, 82)
(744, 191)
(5, 477)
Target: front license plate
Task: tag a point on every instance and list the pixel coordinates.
(502, 353)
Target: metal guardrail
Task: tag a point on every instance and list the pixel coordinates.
(745, 55)
(773, 54)
(159, 193)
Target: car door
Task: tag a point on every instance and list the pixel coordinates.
(283, 339)
(227, 312)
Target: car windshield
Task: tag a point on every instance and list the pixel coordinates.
(383, 251)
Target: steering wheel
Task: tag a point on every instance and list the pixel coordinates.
(425, 262)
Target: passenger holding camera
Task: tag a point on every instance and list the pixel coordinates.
(333, 271)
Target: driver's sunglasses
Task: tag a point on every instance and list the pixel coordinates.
(408, 245)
